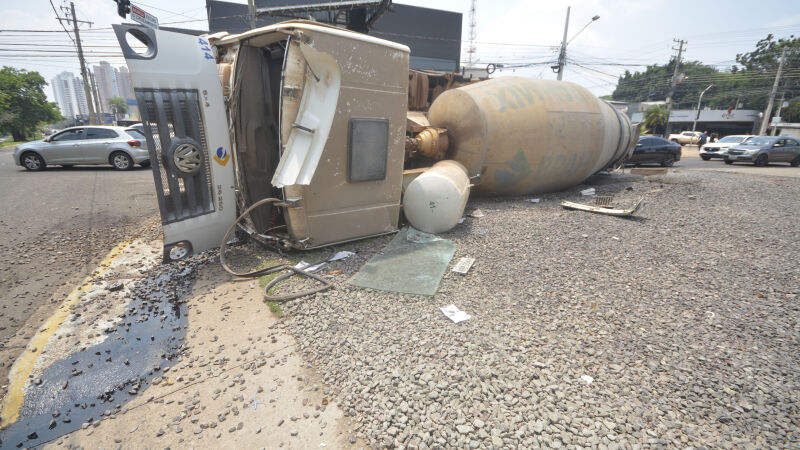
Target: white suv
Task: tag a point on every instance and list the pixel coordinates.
(720, 148)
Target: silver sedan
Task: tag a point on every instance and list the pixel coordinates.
(122, 147)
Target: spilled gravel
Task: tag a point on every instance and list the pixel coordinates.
(121, 336)
(678, 327)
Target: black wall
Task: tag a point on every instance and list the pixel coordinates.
(434, 36)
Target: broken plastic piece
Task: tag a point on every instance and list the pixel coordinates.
(603, 210)
(340, 255)
(310, 131)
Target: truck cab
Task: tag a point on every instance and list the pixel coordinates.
(307, 113)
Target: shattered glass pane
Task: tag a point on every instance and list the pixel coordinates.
(413, 263)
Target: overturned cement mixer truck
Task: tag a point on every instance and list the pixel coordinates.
(515, 136)
(298, 133)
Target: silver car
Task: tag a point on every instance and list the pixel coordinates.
(763, 150)
(122, 147)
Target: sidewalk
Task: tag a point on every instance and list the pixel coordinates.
(239, 385)
(130, 362)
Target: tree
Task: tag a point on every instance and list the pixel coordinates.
(118, 106)
(655, 118)
(23, 104)
(748, 82)
(792, 112)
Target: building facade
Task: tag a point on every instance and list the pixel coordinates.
(70, 96)
(720, 121)
(105, 76)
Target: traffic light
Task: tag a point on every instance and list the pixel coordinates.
(123, 7)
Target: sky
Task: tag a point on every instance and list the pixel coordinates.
(629, 35)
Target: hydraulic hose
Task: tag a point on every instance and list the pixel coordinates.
(268, 270)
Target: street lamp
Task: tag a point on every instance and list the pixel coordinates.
(562, 55)
(694, 124)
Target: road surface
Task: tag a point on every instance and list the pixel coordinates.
(56, 224)
(690, 159)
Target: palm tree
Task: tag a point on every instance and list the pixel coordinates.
(655, 117)
(118, 106)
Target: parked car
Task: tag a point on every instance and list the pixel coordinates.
(654, 150)
(720, 148)
(686, 137)
(762, 150)
(121, 147)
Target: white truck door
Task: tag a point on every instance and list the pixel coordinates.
(180, 101)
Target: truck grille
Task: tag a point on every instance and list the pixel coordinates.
(169, 114)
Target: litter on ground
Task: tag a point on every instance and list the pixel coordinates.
(463, 265)
(602, 209)
(456, 315)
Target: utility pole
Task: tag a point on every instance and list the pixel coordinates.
(93, 119)
(768, 111)
(251, 4)
(778, 112)
(674, 82)
(562, 55)
(96, 96)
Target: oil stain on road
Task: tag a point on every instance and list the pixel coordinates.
(97, 382)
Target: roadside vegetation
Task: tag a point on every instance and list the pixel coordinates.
(743, 85)
(23, 104)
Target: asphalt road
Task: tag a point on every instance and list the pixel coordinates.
(56, 225)
(690, 159)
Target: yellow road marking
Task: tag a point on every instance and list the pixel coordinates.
(24, 365)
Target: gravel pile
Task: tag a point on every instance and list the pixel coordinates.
(678, 327)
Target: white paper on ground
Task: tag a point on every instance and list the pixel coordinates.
(340, 255)
(455, 314)
(463, 265)
(587, 379)
(461, 220)
(306, 267)
(589, 191)
(477, 214)
(533, 200)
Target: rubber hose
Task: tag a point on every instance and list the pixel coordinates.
(266, 271)
(224, 244)
(294, 271)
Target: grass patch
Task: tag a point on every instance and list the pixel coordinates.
(275, 307)
(11, 143)
(263, 280)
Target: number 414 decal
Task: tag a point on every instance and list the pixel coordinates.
(205, 48)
